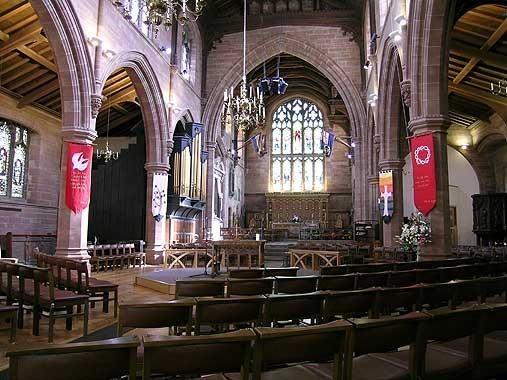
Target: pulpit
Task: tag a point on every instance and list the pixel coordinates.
(490, 218)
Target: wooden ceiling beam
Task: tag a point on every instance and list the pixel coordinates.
(40, 81)
(38, 94)
(120, 109)
(40, 59)
(492, 40)
(128, 94)
(485, 56)
(4, 36)
(21, 24)
(31, 77)
(478, 95)
(20, 38)
(15, 11)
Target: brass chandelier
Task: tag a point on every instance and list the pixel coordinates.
(247, 110)
(161, 12)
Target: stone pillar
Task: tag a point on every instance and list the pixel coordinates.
(155, 231)
(210, 187)
(71, 240)
(373, 197)
(393, 228)
(440, 218)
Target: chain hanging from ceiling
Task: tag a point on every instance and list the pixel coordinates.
(247, 109)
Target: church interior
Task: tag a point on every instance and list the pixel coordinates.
(253, 189)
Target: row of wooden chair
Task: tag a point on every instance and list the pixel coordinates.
(74, 275)
(354, 281)
(415, 346)
(265, 310)
(398, 266)
(113, 256)
(34, 289)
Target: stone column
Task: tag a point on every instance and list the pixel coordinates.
(393, 228)
(373, 197)
(71, 241)
(155, 231)
(440, 219)
(210, 187)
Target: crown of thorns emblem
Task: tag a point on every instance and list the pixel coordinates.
(422, 155)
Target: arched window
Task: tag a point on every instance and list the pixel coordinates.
(186, 49)
(14, 141)
(297, 159)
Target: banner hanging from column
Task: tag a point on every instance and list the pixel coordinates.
(423, 171)
(159, 196)
(79, 176)
(386, 191)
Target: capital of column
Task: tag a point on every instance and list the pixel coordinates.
(154, 167)
(429, 123)
(372, 179)
(78, 135)
(211, 145)
(391, 164)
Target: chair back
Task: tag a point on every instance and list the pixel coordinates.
(286, 307)
(278, 346)
(156, 315)
(385, 335)
(246, 273)
(295, 285)
(392, 299)
(435, 295)
(98, 360)
(286, 272)
(355, 302)
(428, 276)
(402, 278)
(336, 283)
(201, 288)
(369, 268)
(250, 287)
(193, 355)
(220, 311)
(372, 280)
(333, 270)
(464, 322)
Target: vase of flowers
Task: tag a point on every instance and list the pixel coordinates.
(414, 234)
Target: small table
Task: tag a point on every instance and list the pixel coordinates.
(10, 312)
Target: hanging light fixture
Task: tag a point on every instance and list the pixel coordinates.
(161, 12)
(500, 88)
(107, 153)
(247, 109)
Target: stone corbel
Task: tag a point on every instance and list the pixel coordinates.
(97, 100)
(406, 92)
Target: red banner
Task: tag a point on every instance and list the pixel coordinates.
(423, 171)
(79, 175)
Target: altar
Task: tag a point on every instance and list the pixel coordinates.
(294, 230)
(239, 253)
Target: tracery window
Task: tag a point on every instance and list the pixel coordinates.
(14, 142)
(297, 159)
(185, 54)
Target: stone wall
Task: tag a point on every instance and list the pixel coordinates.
(38, 212)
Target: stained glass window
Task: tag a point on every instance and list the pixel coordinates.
(297, 159)
(14, 141)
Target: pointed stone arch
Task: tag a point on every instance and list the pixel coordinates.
(150, 99)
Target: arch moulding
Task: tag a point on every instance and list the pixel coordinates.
(150, 98)
(75, 73)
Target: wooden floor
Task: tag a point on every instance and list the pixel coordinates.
(128, 293)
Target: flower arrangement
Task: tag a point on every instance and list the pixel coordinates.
(296, 219)
(415, 233)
